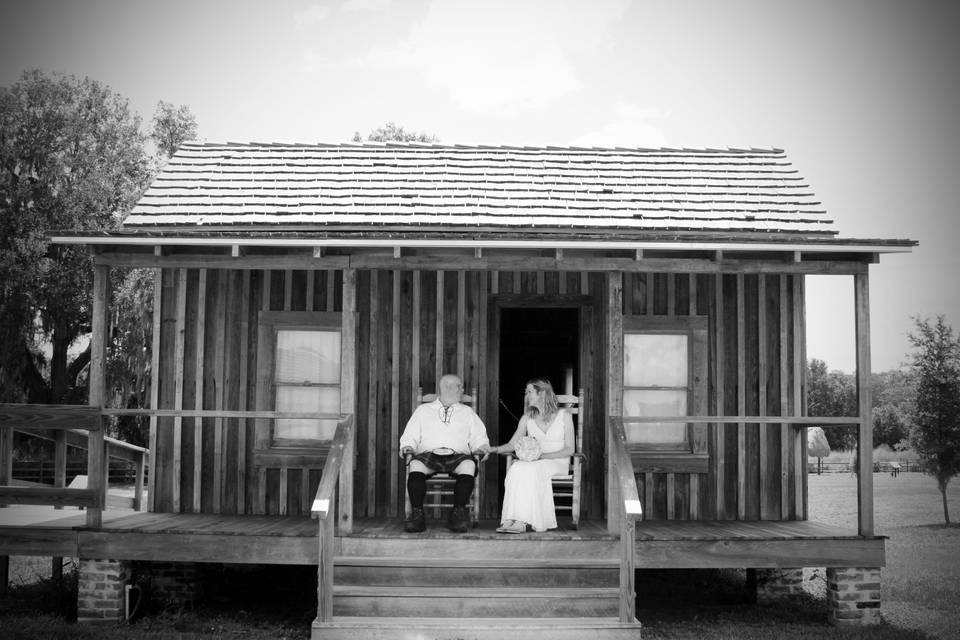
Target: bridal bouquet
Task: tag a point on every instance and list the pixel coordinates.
(528, 448)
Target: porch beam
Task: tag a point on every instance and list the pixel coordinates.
(513, 262)
(481, 260)
(201, 261)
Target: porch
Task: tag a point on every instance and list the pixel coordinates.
(246, 539)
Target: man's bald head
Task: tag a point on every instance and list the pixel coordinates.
(450, 388)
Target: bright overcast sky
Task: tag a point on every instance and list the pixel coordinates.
(864, 95)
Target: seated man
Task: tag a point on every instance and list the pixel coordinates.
(443, 435)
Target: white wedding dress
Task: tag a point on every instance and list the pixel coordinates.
(528, 495)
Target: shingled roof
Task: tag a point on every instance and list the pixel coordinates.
(209, 187)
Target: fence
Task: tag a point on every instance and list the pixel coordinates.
(850, 466)
(44, 471)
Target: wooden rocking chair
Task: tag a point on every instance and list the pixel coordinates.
(439, 494)
(568, 487)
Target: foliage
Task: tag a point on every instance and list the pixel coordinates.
(131, 330)
(393, 132)
(129, 353)
(894, 397)
(832, 394)
(936, 431)
(171, 127)
(71, 158)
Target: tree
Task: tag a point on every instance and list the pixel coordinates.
(894, 395)
(71, 158)
(936, 430)
(131, 331)
(832, 394)
(394, 132)
(171, 127)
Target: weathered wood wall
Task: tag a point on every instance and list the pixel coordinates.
(205, 345)
(414, 326)
(756, 363)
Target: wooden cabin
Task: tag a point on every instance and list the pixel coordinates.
(304, 293)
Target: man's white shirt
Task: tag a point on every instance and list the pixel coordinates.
(433, 426)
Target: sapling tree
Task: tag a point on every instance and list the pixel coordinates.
(936, 430)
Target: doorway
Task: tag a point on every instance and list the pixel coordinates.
(535, 342)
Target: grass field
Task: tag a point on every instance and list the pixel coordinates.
(921, 582)
(921, 587)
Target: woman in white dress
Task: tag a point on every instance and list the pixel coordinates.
(528, 494)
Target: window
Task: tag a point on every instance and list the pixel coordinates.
(299, 371)
(306, 379)
(664, 374)
(656, 382)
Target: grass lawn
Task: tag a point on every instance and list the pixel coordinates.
(921, 582)
(921, 587)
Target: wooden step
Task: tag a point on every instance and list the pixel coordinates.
(395, 571)
(470, 547)
(474, 602)
(493, 628)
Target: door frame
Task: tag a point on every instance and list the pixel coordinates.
(588, 313)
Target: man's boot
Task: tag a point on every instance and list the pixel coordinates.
(459, 520)
(416, 522)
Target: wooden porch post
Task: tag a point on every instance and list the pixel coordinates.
(6, 479)
(864, 401)
(96, 455)
(614, 385)
(348, 382)
(59, 481)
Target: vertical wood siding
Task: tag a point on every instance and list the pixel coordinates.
(756, 368)
(205, 358)
(413, 326)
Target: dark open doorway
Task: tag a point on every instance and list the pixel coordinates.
(535, 342)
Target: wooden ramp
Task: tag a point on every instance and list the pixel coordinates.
(448, 586)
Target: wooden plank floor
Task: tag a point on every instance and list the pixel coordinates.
(126, 520)
(261, 539)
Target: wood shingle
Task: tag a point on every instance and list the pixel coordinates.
(325, 187)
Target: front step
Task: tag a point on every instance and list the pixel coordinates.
(434, 572)
(351, 628)
(475, 602)
(463, 586)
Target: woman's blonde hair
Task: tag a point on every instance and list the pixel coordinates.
(550, 405)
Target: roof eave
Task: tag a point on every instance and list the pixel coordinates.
(676, 242)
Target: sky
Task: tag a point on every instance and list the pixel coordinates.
(864, 96)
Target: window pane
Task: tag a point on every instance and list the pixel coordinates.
(642, 403)
(308, 356)
(305, 400)
(306, 429)
(655, 360)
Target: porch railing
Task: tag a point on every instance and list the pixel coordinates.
(56, 420)
(864, 447)
(324, 506)
(630, 510)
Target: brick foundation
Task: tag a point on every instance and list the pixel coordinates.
(101, 591)
(854, 596)
(176, 584)
(774, 584)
